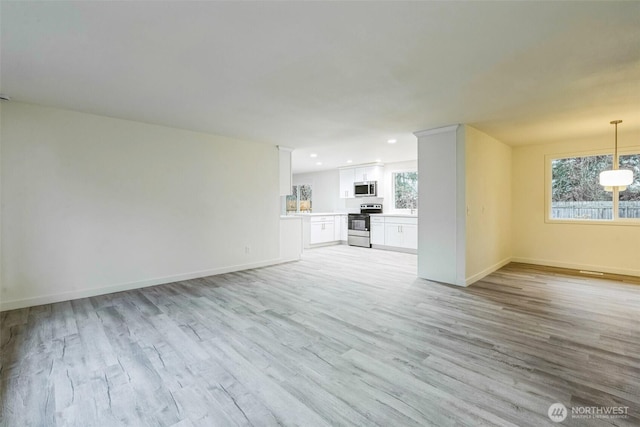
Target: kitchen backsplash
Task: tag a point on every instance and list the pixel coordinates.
(354, 204)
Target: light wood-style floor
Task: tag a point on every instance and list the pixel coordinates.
(348, 336)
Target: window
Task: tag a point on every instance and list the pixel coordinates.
(576, 193)
(629, 200)
(300, 199)
(405, 190)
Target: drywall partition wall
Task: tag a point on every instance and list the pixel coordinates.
(441, 226)
(325, 187)
(488, 202)
(1, 203)
(92, 204)
(596, 247)
(284, 154)
(290, 238)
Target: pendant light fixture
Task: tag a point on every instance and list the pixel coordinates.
(619, 178)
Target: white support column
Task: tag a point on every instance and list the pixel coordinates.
(441, 199)
(285, 170)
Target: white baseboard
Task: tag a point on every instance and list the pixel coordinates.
(321, 245)
(394, 249)
(71, 295)
(573, 266)
(487, 271)
(285, 260)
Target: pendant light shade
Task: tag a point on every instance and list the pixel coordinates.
(616, 178)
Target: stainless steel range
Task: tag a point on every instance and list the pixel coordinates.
(360, 225)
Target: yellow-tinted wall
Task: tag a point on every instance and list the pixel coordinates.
(488, 204)
(598, 247)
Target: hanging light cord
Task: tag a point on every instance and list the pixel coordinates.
(615, 152)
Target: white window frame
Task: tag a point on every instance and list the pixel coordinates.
(393, 190)
(615, 195)
(298, 199)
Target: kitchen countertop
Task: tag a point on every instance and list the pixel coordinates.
(397, 214)
(319, 214)
(299, 215)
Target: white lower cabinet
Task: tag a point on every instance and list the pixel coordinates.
(401, 235)
(344, 229)
(377, 231)
(409, 236)
(393, 235)
(322, 232)
(394, 232)
(323, 229)
(337, 225)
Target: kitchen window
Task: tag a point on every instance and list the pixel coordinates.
(300, 199)
(575, 194)
(405, 190)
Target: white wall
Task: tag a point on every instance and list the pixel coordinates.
(441, 234)
(325, 187)
(92, 204)
(464, 221)
(1, 269)
(290, 238)
(598, 247)
(488, 201)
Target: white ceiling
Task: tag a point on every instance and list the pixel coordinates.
(334, 78)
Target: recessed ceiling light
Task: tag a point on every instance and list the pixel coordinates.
(314, 155)
(318, 163)
(392, 141)
(378, 160)
(349, 161)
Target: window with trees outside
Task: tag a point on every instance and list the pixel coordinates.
(405, 189)
(576, 193)
(300, 199)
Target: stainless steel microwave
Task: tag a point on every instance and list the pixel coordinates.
(365, 189)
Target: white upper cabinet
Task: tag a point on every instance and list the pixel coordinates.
(368, 173)
(347, 178)
(360, 174)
